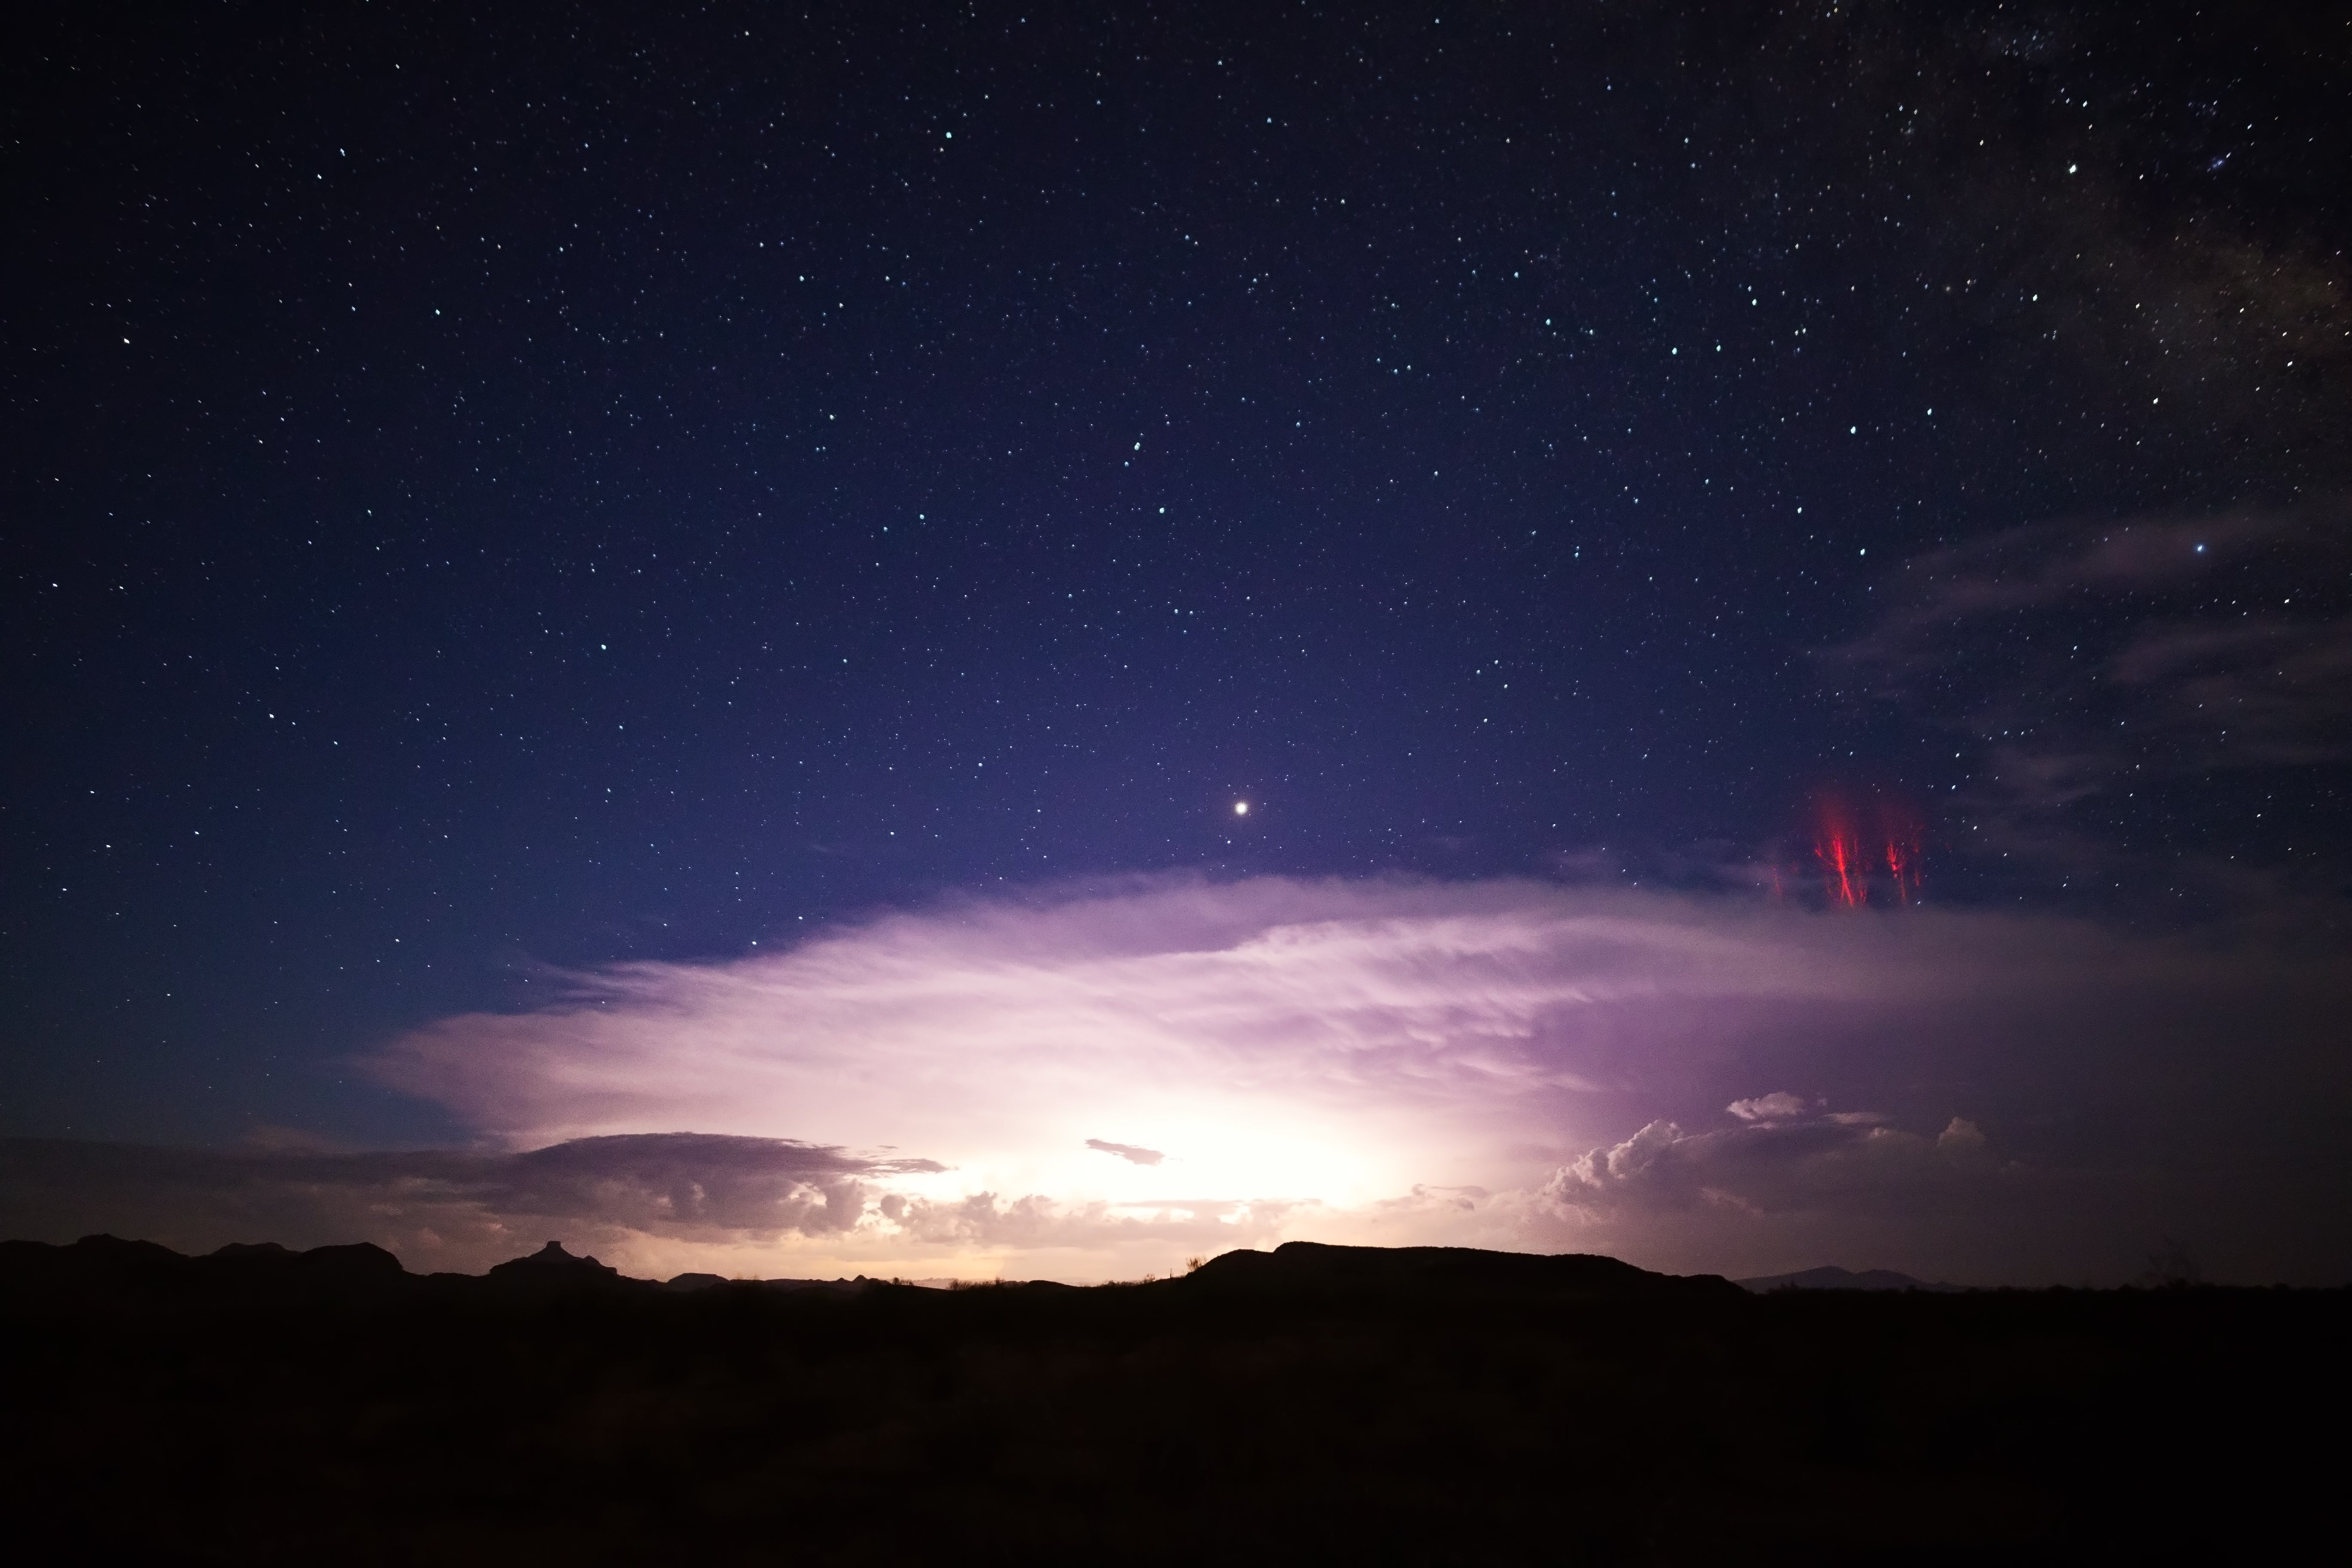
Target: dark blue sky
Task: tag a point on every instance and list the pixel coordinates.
(492, 491)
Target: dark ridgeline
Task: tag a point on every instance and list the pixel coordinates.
(1452, 1274)
(1832, 1277)
(1315, 1404)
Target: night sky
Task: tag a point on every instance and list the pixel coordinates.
(491, 498)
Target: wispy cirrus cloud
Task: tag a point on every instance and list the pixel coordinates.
(2093, 660)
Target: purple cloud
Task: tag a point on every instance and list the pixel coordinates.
(461, 1209)
(1778, 1164)
(1697, 1083)
(1981, 1094)
(1778, 1106)
(1127, 1152)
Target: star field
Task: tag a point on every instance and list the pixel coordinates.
(490, 491)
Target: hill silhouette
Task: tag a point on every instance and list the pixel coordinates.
(1312, 1403)
(553, 1268)
(1310, 1267)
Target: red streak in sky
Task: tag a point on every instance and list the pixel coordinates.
(1846, 858)
(1832, 855)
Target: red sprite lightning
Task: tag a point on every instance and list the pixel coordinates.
(1848, 856)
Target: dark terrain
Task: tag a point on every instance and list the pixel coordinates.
(1835, 1279)
(1314, 1404)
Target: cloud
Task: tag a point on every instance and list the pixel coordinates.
(455, 1208)
(1355, 1060)
(1695, 1082)
(1778, 1106)
(1127, 1152)
(2095, 660)
(1781, 1162)
(1271, 1029)
(688, 1181)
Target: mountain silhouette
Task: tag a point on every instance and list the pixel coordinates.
(553, 1268)
(109, 1270)
(1312, 1266)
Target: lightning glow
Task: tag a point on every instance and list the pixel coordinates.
(1866, 858)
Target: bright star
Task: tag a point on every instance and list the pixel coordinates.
(1241, 808)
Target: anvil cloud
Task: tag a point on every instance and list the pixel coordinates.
(1704, 1082)
(1098, 1083)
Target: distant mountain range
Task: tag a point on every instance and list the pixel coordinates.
(1832, 1277)
(108, 1269)
(105, 1268)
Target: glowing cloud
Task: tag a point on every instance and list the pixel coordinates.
(1278, 1040)
(1504, 1063)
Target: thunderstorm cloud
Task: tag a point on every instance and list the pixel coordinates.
(1690, 1082)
